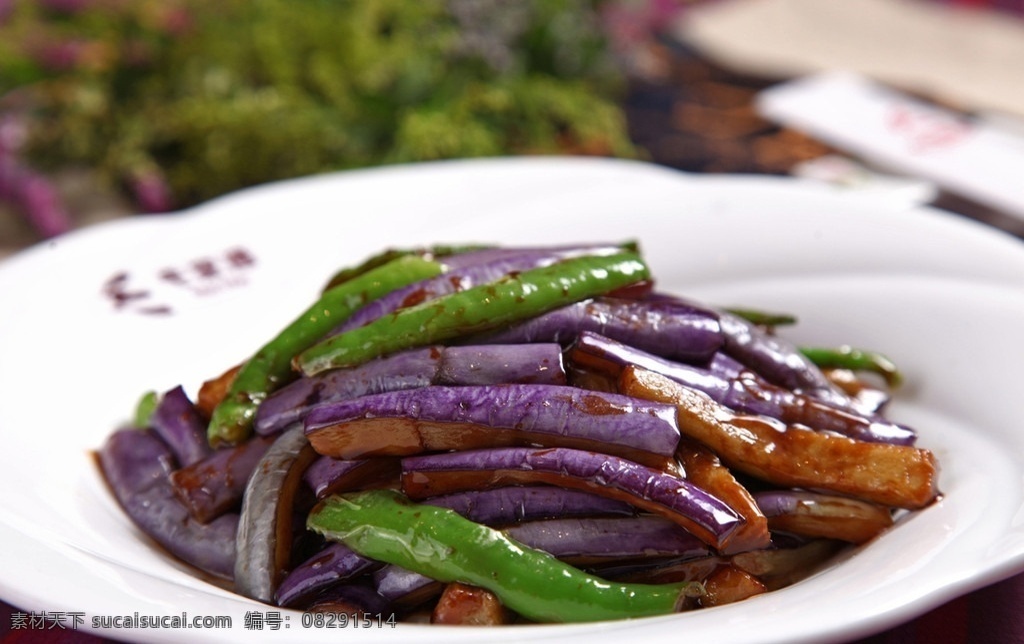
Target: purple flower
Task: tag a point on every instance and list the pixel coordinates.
(13, 133)
(34, 196)
(60, 56)
(42, 206)
(176, 21)
(152, 192)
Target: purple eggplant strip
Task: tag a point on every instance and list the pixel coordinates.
(776, 360)
(354, 600)
(592, 350)
(135, 464)
(538, 410)
(179, 424)
(468, 270)
(815, 514)
(333, 565)
(769, 356)
(725, 367)
(674, 498)
(750, 394)
(744, 392)
(666, 328)
(404, 587)
(592, 539)
(327, 475)
(775, 503)
(263, 544)
(406, 370)
(870, 399)
(215, 485)
(507, 505)
(538, 363)
(437, 365)
(661, 571)
(322, 473)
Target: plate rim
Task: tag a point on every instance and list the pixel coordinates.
(972, 584)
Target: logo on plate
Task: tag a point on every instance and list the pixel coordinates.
(153, 293)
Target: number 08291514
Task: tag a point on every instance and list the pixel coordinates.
(344, 620)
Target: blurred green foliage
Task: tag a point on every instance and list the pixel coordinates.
(218, 95)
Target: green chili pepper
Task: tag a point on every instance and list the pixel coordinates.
(764, 318)
(482, 308)
(847, 357)
(270, 367)
(145, 407)
(441, 544)
(432, 252)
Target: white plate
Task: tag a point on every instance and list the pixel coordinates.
(941, 295)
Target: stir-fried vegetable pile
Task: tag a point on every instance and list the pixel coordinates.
(496, 435)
